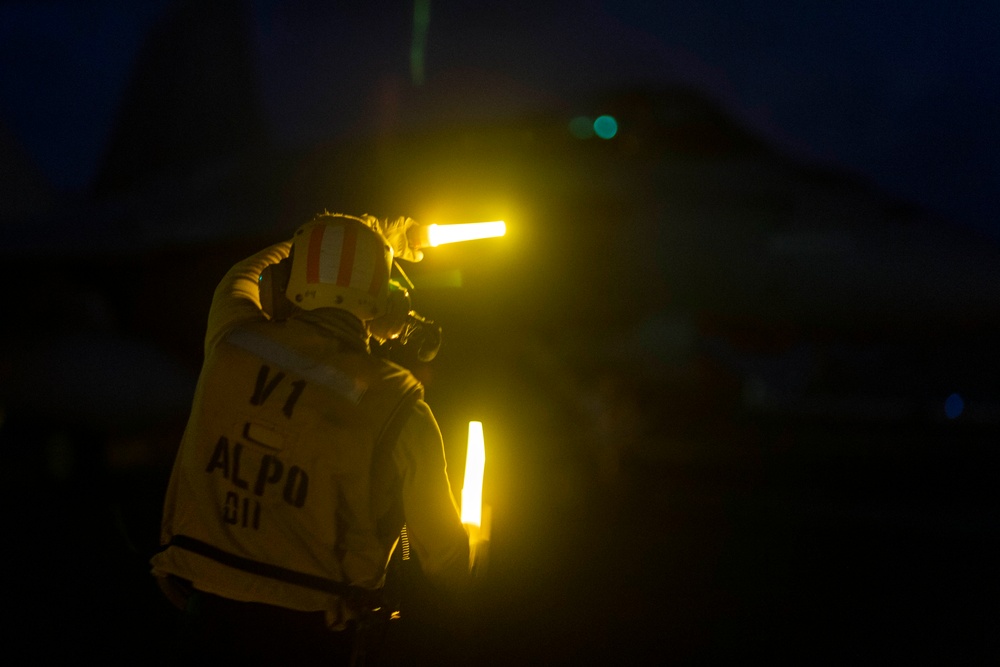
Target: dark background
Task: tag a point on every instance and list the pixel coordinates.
(736, 365)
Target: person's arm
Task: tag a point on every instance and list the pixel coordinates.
(433, 523)
(237, 297)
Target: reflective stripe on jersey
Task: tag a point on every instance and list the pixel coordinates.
(289, 359)
(360, 596)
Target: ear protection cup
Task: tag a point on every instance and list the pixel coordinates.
(272, 283)
(391, 325)
(430, 341)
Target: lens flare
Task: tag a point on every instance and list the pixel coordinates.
(581, 127)
(606, 127)
(954, 405)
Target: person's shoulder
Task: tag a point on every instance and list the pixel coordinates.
(393, 373)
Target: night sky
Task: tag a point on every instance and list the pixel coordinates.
(907, 98)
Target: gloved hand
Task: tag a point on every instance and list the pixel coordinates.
(400, 235)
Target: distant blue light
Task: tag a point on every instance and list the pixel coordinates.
(606, 127)
(953, 406)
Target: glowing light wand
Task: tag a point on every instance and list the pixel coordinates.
(475, 516)
(431, 236)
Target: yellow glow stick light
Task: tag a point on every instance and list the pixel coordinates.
(475, 465)
(475, 516)
(435, 235)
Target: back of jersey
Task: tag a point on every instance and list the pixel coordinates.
(284, 481)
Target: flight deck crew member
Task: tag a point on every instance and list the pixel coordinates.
(304, 455)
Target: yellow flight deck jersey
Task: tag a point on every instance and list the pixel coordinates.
(302, 458)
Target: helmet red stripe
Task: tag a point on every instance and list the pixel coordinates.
(315, 246)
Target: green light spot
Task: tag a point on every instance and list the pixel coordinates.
(581, 127)
(606, 127)
(418, 46)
